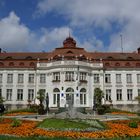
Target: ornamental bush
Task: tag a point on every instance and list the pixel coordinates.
(133, 124)
(16, 123)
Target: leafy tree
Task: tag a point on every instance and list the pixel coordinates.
(138, 98)
(98, 95)
(41, 98)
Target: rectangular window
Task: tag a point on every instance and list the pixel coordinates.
(107, 78)
(69, 76)
(1, 78)
(129, 94)
(56, 76)
(119, 94)
(31, 94)
(10, 78)
(20, 78)
(0, 92)
(9, 94)
(83, 76)
(138, 78)
(108, 95)
(42, 78)
(96, 78)
(19, 94)
(54, 98)
(31, 78)
(129, 78)
(118, 78)
(138, 92)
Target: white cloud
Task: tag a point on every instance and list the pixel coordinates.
(53, 38)
(101, 14)
(13, 35)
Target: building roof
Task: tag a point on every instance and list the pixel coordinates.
(69, 51)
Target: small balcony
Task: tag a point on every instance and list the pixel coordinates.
(56, 81)
(83, 81)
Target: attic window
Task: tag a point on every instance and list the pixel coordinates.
(117, 64)
(70, 52)
(137, 64)
(21, 64)
(29, 57)
(1, 64)
(107, 64)
(109, 57)
(127, 64)
(11, 64)
(32, 64)
(129, 58)
(9, 57)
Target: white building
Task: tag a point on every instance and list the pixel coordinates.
(70, 72)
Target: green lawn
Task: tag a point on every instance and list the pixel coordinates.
(60, 124)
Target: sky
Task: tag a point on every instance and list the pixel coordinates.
(43, 25)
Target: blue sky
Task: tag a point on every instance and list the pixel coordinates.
(96, 25)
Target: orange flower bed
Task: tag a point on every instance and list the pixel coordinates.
(123, 113)
(19, 113)
(28, 128)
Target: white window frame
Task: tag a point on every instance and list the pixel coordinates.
(31, 94)
(108, 95)
(118, 94)
(42, 78)
(9, 94)
(118, 78)
(19, 94)
(9, 78)
(31, 78)
(20, 78)
(96, 78)
(107, 78)
(129, 94)
(129, 78)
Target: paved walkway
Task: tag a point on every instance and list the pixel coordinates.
(99, 117)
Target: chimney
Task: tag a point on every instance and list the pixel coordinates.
(138, 50)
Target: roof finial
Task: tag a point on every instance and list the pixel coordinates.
(69, 32)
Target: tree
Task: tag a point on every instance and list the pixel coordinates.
(98, 95)
(138, 99)
(41, 98)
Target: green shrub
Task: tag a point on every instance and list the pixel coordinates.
(16, 123)
(101, 110)
(133, 124)
(81, 109)
(41, 110)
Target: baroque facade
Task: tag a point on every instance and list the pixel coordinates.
(70, 72)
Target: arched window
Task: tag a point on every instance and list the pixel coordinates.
(32, 64)
(21, 64)
(11, 64)
(137, 64)
(1, 64)
(117, 64)
(127, 64)
(56, 90)
(110, 57)
(56, 97)
(83, 96)
(107, 64)
(8, 58)
(69, 90)
(28, 58)
(83, 90)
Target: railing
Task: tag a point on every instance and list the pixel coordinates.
(61, 63)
